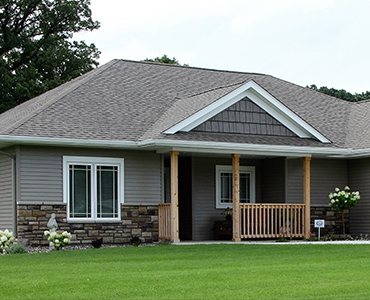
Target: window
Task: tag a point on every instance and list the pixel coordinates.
(93, 188)
(224, 186)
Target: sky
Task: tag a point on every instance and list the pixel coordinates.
(322, 42)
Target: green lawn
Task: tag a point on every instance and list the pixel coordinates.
(190, 272)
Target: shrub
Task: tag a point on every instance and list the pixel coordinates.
(6, 240)
(341, 200)
(17, 248)
(58, 240)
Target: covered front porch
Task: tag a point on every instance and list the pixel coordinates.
(249, 220)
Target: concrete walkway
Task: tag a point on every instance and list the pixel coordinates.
(273, 242)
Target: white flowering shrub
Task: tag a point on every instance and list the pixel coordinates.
(58, 240)
(6, 240)
(345, 199)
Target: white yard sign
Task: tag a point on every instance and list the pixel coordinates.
(319, 224)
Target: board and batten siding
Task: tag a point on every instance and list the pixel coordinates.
(6, 193)
(41, 174)
(204, 194)
(359, 180)
(326, 174)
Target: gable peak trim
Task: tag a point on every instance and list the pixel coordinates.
(260, 97)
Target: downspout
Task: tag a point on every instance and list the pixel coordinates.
(13, 157)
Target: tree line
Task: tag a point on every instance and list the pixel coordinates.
(37, 52)
(341, 94)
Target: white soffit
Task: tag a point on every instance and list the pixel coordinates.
(261, 98)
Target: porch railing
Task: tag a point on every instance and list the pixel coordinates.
(272, 220)
(164, 221)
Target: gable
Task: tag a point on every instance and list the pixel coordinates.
(261, 98)
(245, 117)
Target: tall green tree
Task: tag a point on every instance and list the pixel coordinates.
(165, 60)
(36, 51)
(341, 94)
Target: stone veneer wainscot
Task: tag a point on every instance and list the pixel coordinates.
(333, 220)
(137, 221)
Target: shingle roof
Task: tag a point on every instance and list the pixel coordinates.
(137, 101)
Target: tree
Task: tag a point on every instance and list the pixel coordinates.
(36, 53)
(341, 94)
(165, 60)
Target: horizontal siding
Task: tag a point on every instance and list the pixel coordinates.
(359, 180)
(326, 174)
(273, 180)
(142, 178)
(41, 178)
(6, 193)
(204, 197)
(294, 178)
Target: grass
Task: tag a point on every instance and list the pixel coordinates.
(190, 272)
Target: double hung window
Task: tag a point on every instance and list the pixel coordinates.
(93, 188)
(224, 185)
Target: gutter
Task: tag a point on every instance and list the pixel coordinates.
(162, 146)
(247, 149)
(46, 141)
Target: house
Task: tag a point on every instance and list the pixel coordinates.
(109, 151)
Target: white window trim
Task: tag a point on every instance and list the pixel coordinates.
(242, 169)
(93, 162)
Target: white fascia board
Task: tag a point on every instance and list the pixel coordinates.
(192, 146)
(46, 141)
(283, 114)
(244, 149)
(261, 98)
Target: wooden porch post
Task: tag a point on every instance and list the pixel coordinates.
(307, 196)
(236, 198)
(174, 196)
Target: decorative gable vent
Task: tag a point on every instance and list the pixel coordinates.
(244, 117)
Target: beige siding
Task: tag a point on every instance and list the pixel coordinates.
(6, 193)
(359, 180)
(41, 178)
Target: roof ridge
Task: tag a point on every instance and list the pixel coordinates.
(349, 122)
(191, 67)
(308, 88)
(217, 88)
(75, 84)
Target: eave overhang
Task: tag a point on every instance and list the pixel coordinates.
(163, 146)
